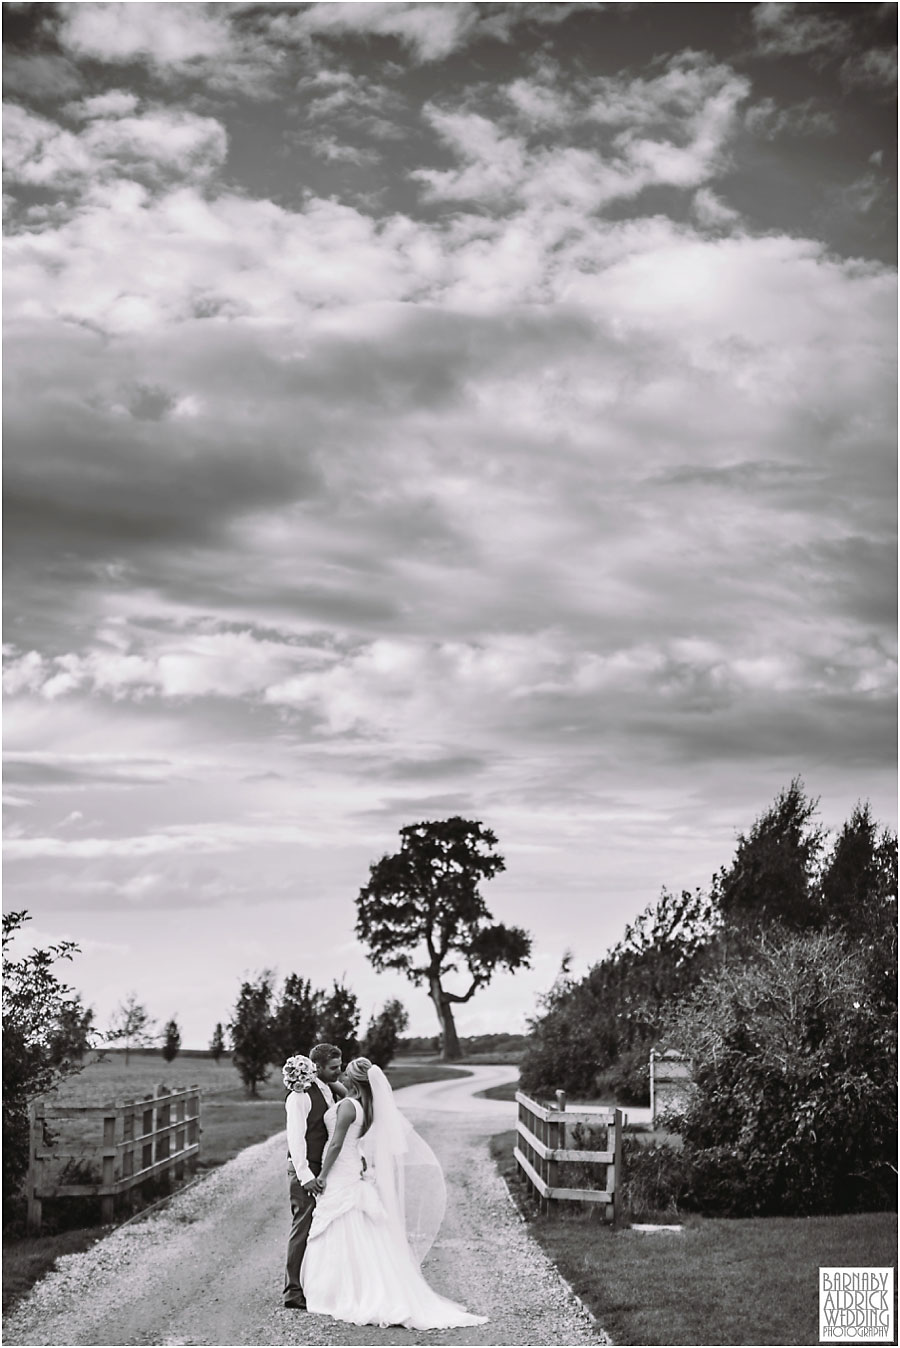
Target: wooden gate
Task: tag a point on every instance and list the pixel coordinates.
(157, 1137)
(545, 1135)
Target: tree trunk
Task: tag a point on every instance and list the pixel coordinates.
(450, 1049)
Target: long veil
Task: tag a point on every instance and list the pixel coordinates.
(404, 1169)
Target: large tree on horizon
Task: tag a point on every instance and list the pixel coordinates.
(422, 913)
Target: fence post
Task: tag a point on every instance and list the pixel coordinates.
(556, 1133)
(194, 1129)
(614, 1209)
(34, 1179)
(108, 1201)
(652, 1087)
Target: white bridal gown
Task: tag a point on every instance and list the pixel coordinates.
(357, 1267)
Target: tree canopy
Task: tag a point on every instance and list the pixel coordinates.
(423, 913)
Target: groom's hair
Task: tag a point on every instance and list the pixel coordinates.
(323, 1053)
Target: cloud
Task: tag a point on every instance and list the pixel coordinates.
(809, 118)
(669, 130)
(874, 69)
(122, 33)
(796, 30)
(158, 144)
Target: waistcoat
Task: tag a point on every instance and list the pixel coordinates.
(316, 1132)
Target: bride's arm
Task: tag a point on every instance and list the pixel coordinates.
(346, 1113)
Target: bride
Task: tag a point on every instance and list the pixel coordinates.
(379, 1212)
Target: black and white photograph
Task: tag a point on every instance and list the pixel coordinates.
(450, 704)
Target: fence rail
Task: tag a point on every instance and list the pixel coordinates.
(544, 1134)
(155, 1137)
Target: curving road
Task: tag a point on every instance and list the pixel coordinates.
(207, 1268)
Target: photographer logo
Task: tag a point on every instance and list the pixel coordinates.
(856, 1305)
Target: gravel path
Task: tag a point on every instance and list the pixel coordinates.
(207, 1268)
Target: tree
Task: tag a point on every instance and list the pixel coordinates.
(171, 1041)
(217, 1043)
(35, 1050)
(859, 882)
(380, 1043)
(773, 875)
(596, 1033)
(133, 1024)
(74, 1033)
(338, 1020)
(295, 1023)
(250, 1028)
(422, 913)
(794, 1065)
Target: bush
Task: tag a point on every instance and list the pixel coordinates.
(794, 1064)
(656, 1179)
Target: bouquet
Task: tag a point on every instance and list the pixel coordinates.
(298, 1072)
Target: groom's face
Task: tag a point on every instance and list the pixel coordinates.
(330, 1071)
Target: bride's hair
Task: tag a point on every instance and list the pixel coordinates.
(358, 1074)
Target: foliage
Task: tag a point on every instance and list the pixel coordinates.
(171, 1041)
(773, 876)
(39, 1013)
(422, 913)
(794, 1067)
(597, 1031)
(74, 1032)
(859, 896)
(296, 1019)
(133, 1024)
(656, 1179)
(250, 1028)
(338, 1020)
(217, 1043)
(383, 1033)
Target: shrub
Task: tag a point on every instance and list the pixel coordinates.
(656, 1179)
(794, 1064)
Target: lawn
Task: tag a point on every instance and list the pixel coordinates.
(719, 1281)
(229, 1121)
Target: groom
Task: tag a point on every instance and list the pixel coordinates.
(306, 1143)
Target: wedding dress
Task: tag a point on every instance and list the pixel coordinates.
(358, 1265)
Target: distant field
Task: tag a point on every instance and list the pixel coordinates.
(103, 1083)
(229, 1119)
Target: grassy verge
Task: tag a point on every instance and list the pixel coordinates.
(229, 1122)
(720, 1281)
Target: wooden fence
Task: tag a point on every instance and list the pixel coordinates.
(545, 1138)
(156, 1138)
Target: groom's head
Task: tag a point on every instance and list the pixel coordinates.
(328, 1062)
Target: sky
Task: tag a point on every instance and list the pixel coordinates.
(418, 410)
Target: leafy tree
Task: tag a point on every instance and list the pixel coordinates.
(133, 1024)
(74, 1033)
(794, 1108)
(773, 875)
(295, 1023)
(422, 913)
(338, 1020)
(250, 1028)
(596, 1033)
(859, 882)
(217, 1043)
(380, 1043)
(171, 1041)
(35, 1049)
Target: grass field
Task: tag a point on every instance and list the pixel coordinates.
(229, 1121)
(719, 1281)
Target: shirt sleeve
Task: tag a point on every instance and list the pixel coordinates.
(297, 1107)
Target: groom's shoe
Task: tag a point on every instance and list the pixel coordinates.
(295, 1305)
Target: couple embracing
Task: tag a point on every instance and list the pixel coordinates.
(367, 1199)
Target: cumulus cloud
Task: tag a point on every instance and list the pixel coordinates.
(669, 130)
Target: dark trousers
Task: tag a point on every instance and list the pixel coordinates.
(303, 1205)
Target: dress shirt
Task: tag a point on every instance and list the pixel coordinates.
(297, 1107)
